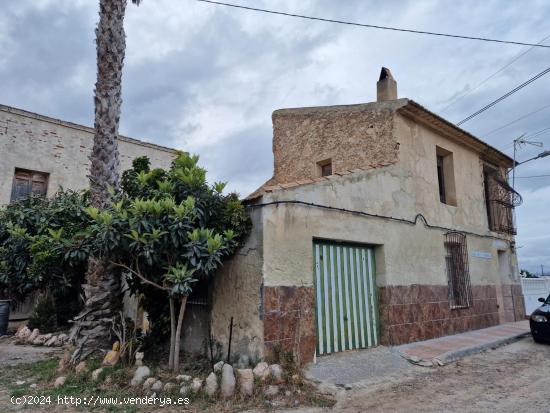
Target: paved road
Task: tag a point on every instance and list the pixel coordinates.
(514, 378)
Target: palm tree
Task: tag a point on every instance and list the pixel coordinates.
(102, 289)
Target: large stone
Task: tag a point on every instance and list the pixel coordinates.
(148, 383)
(23, 333)
(80, 367)
(262, 371)
(196, 385)
(35, 333)
(142, 372)
(271, 391)
(41, 339)
(51, 341)
(218, 366)
(184, 390)
(183, 378)
(96, 373)
(61, 339)
(169, 387)
(60, 381)
(227, 386)
(157, 386)
(211, 385)
(245, 379)
(277, 373)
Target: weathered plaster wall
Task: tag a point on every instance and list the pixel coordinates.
(355, 136)
(237, 293)
(61, 149)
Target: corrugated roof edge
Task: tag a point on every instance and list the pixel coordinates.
(37, 116)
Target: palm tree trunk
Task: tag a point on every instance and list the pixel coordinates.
(102, 291)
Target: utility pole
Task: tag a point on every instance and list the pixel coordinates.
(542, 269)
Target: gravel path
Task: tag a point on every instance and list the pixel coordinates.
(514, 378)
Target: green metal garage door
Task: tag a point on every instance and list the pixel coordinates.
(346, 297)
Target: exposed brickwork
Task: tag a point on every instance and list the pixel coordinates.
(359, 136)
(420, 312)
(289, 322)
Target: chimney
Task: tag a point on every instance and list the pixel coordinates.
(386, 87)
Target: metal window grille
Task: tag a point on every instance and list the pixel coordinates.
(458, 273)
(501, 199)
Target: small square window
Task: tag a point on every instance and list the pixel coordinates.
(325, 167)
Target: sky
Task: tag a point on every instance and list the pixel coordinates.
(206, 78)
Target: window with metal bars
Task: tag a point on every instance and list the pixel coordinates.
(501, 200)
(458, 273)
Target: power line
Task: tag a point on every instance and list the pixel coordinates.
(532, 176)
(511, 92)
(517, 57)
(515, 120)
(373, 26)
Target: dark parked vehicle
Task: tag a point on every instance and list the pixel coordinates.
(540, 321)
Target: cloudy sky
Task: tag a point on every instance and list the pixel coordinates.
(206, 78)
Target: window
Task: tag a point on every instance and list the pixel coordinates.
(500, 200)
(27, 182)
(458, 273)
(324, 167)
(445, 176)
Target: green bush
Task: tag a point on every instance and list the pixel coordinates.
(44, 314)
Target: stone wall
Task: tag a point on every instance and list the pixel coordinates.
(60, 149)
(419, 312)
(356, 136)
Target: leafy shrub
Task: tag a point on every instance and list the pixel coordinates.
(44, 314)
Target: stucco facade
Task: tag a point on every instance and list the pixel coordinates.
(382, 192)
(59, 149)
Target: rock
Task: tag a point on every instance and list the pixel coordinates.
(35, 333)
(64, 362)
(183, 378)
(41, 339)
(262, 371)
(414, 359)
(277, 373)
(51, 341)
(148, 383)
(61, 339)
(157, 386)
(20, 382)
(227, 386)
(80, 367)
(218, 366)
(348, 386)
(271, 391)
(60, 381)
(425, 363)
(96, 373)
(295, 378)
(23, 333)
(245, 378)
(33, 386)
(211, 385)
(139, 358)
(142, 372)
(185, 390)
(170, 387)
(112, 356)
(288, 393)
(196, 385)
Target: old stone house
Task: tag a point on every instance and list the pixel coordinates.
(40, 154)
(383, 223)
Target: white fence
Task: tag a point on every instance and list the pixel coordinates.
(533, 289)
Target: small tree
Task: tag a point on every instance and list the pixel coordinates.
(176, 233)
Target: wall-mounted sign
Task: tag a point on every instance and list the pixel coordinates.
(482, 254)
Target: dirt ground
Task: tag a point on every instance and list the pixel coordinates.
(514, 378)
